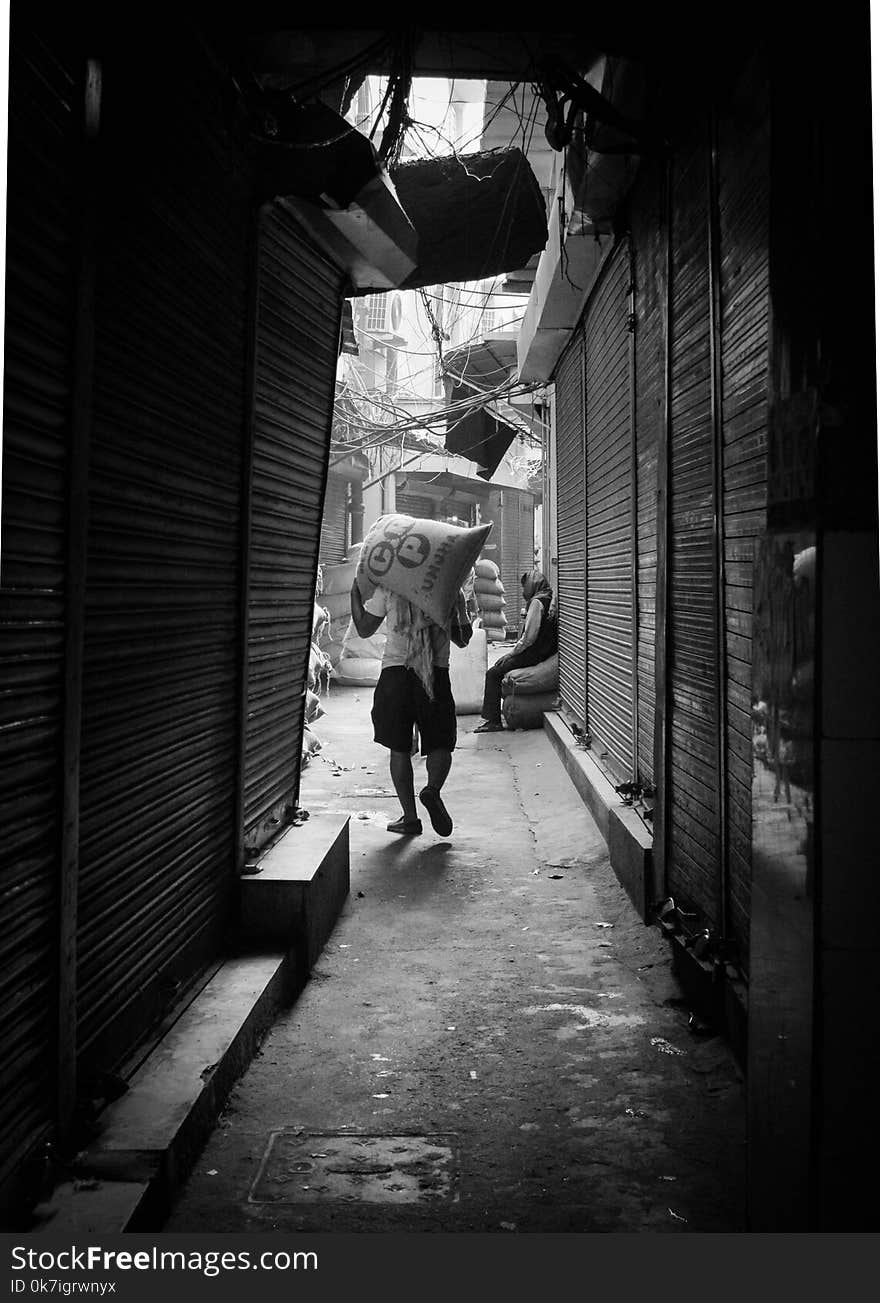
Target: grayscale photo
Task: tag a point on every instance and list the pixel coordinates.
(439, 629)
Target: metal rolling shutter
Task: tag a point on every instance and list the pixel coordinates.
(571, 527)
(743, 203)
(332, 547)
(411, 504)
(692, 795)
(509, 561)
(526, 533)
(610, 597)
(159, 737)
(648, 238)
(299, 310)
(32, 589)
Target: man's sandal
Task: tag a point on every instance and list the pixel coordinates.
(433, 803)
(409, 827)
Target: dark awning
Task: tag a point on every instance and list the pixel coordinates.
(483, 439)
(476, 215)
(486, 366)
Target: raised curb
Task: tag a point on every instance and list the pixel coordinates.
(126, 1179)
(628, 840)
(150, 1137)
(302, 884)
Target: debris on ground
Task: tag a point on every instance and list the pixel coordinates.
(664, 1046)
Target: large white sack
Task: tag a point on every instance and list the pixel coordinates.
(425, 561)
(467, 673)
(338, 578)
(338, 604)
(493, 619)
(358, 671)
(491, 602)
(371, 648)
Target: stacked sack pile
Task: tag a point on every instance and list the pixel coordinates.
(489, 592)
(319, 676)
(526, 693)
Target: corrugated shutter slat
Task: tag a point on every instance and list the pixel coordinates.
(609, 518)
(571, 526)
(32, 589)
(743, 202)
(692, 794)
(159, 741)
(300, 302)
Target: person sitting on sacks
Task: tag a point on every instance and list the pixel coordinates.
(536, 642)
(413, 691)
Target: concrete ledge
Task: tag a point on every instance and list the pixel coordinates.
(631, 848)
(303, 881)
(595, 789)
(150, 1137)
(630, 843)
(716, 996)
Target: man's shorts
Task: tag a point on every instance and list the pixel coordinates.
(400, 701)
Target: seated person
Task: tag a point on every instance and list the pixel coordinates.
(537, 642)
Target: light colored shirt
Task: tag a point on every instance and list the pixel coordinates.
(531, 627)
(396, 643)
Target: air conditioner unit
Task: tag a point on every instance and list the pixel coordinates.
(383, 313)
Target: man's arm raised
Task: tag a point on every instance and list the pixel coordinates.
(364, 621)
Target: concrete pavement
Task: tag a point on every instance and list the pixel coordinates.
(491, 1040)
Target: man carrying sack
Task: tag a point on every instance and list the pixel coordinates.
(409, 575)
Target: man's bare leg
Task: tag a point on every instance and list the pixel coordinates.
(438, 764)
(402, 778)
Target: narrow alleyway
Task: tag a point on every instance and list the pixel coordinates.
(491, 1039)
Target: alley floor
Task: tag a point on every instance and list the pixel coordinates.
(491, 1040)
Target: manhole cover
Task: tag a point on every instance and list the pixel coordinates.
(323, 1166)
